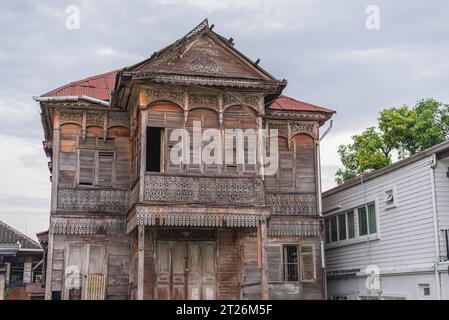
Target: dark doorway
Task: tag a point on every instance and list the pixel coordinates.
(153, 149)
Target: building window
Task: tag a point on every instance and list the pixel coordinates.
(290, 263)
(389, 197)
(351, 224)
(341, 227)
(96, 160)
(367, 223)
(154, 149)
(424, 290)
(334, 230)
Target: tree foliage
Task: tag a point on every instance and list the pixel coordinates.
(404, 129)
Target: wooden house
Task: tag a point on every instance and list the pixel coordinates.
(20, 265)
(127, 222)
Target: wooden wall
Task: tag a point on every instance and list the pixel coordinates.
(228, 265)
(112, 261)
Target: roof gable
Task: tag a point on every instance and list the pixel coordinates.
(202, 52)
(9, 235)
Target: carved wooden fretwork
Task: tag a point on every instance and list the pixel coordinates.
(299, 115)
(87, 227)
(213, 217)
(254, 101)
(289, 129)
(176, 79)
(203, 101)
(92, 200)
(165, 94)
(119, 119)
(281, 126)
(169, 234)
(203, 189)
(298, 127)
(304, 228)
(95, 119)
(291, 203)
(71, 117)
(204, 64)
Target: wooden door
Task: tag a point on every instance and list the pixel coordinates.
(208, 277)
(163, 270)
(185, 270)
(178, 266)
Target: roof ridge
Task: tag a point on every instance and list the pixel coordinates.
(17, 232)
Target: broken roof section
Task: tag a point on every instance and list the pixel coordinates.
(11, 238)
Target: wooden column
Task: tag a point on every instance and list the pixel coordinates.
(264, 269)
(140, 260)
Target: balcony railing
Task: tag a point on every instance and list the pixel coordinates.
(203, 189)
(92, 200)
(292, 203)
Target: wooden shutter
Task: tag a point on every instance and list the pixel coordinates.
(86, 166)
(307, 269)
(105, 168)
(304, 163)
(27, 272)
(285, 166)
(274, 255)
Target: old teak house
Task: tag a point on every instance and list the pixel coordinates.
(128, 223)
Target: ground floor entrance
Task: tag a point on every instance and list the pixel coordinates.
(185, 270)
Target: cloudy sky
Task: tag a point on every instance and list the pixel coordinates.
(322, 47)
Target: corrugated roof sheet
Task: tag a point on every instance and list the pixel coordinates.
(288, 103)
(99, 87)
(10, 235)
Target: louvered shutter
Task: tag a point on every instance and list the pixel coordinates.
(308, 263)
(274, 256)
(105, 168)
(86, 166)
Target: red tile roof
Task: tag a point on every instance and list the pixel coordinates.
(98, 87)
(287, 103)
(101, 85)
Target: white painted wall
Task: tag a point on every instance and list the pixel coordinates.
(405, 238)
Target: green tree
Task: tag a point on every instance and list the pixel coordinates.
(404, 129)
(367, 152)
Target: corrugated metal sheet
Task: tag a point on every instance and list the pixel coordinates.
(99, 87)
(9, 235)
(95, 287)
(288, 103)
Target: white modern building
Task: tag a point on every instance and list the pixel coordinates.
(386, 231)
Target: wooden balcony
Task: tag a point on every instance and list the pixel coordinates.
(162, 187)
(292, 203)
(93, 200)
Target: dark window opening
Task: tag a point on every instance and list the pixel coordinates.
(291, 263)
(56, 295)
(153, 149)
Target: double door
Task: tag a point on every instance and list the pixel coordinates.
(185, 270)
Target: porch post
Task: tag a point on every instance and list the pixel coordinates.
(264, 270)
(140, 260)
